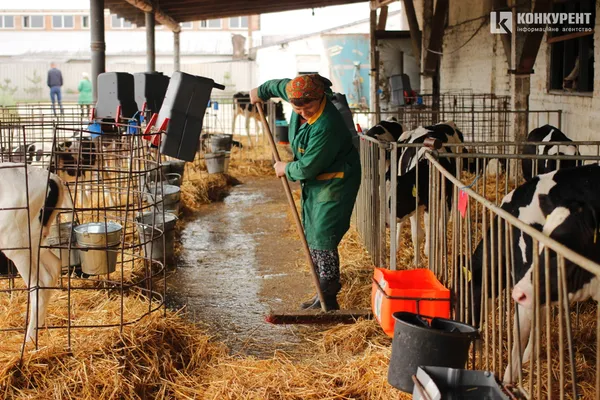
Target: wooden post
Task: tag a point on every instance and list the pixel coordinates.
(374, 68)
(426, 81)
(524, 49)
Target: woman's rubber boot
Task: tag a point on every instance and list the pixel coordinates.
(310, 303)
(330, 290)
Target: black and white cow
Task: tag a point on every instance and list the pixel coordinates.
(27, 153)
(386, 131)
(21, 229)
(407, 187)
(242, 106)
(551, 203)
(547, 133)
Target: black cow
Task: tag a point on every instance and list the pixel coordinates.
(547, 133)
(551, 203)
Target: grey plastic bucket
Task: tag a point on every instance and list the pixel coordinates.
(59, 236)
(171, 199)
(154, 247)
(105, 237)
(456, 384)
(220, 143)
(217, 163)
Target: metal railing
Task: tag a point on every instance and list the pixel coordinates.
(477, 186)
(567, 371)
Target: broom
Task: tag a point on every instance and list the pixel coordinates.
(307, 316)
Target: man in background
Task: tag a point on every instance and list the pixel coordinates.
(55, 81)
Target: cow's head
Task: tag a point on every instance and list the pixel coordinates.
(75, 156)
(23, 153)
(574, 225)
(386, 131)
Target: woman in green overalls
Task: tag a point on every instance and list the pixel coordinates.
(328, 167)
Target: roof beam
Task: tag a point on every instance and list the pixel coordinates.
(502, 5)
(434, 47)
(413, 25)
(161, 17)
(194, 10)
(382, 21)
(375, 4)
(530, 42)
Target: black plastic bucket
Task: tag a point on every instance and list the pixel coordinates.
(443, 343)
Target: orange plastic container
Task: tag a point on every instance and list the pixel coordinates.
(417, 291)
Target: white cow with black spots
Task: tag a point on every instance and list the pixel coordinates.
(23, 232)
(563, 204)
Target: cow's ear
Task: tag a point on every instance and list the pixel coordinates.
(67, 144)
(394, 119)
(546, 204)
(38, 155)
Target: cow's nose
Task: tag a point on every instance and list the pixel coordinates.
(520, 296)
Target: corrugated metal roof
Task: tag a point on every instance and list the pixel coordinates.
(193, 10)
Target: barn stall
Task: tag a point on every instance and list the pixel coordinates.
(493, 119)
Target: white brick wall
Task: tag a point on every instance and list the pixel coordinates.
(479, 64)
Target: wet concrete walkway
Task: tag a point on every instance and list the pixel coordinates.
(238, 262)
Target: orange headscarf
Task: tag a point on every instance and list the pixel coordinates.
(310, 87)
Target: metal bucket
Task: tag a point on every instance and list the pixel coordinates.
(220, 143)
(98, 235)
(154, 248)
(171, 178)
(217, 163)
(175, 166)
(171, 199)
(59, 236)
(156, 173)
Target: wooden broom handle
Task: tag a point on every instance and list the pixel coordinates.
(288, 193)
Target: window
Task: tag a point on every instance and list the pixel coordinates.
(572, 53)
(33, 21)
(116, 22)
(238, 22)
(63, 21)
(211, 23)
(85, 21)
(7, 21)
(186, 25)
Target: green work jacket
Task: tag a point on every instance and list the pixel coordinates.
(327, 166)
(85, 91)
